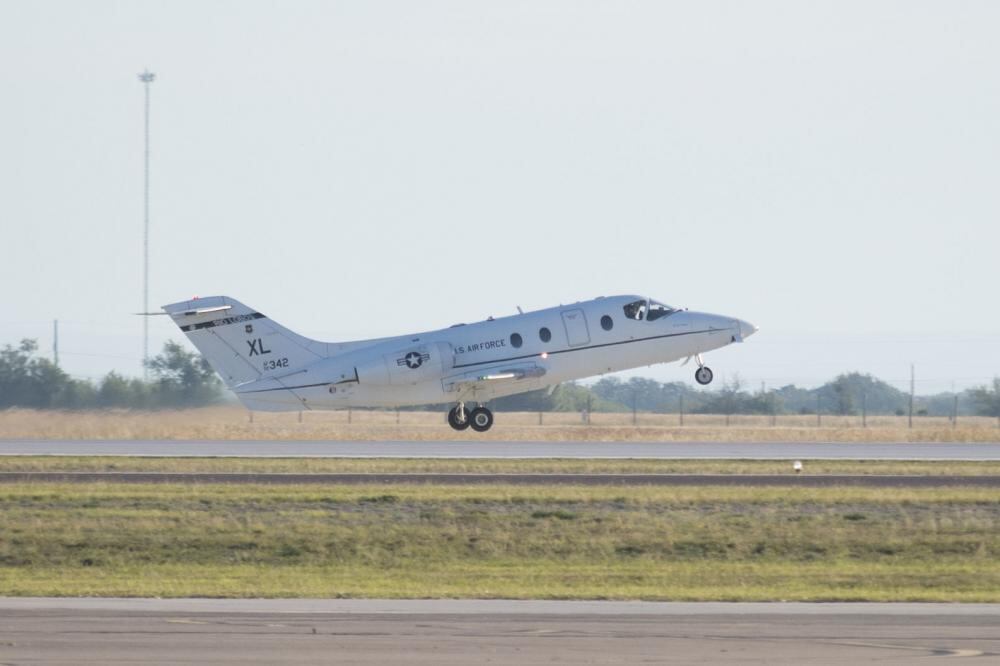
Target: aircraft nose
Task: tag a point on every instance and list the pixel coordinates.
(746, 328)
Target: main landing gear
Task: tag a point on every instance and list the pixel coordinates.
(480, 418)
(703, 375)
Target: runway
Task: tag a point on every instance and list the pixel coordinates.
(503, 449)
(757, 480)
(197, 631)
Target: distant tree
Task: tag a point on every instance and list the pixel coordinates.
(532, 401)
(987, 399)
(730, 399)
(139, 394)
(763, 402)
(77, 394)
(646, 395)
(183, 378)
(114, 391)
(29, 381)
(843, 395)
(572, 397)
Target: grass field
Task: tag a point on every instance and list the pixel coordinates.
(485, 466)
(235, 423)
(512, 542)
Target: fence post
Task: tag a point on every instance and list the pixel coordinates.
(300, 416)
(348, 414)
(633, 408)
(539, 417)
(864, 410)
(681, 412)
(251, 417)
(819, 419)
(954, 413)
(397, 416)
(909, 419)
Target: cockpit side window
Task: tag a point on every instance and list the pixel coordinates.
(635, 310)
(657, 310)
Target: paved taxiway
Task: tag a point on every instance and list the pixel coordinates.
(181, 631)
(502, 449)
(758, 480)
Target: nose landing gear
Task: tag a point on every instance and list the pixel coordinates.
(703, 375)
(480, 418)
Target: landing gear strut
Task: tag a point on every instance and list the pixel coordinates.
(458, 417)
(703, 375)
(480, 418)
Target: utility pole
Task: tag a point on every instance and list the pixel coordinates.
(912, 388)
(819, 419)
(633, 407)
(681, 412)
(864, 410)
(55, 341)
(147, 77)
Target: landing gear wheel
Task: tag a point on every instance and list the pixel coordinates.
(454, 421)
(481, 419)
(703, 375)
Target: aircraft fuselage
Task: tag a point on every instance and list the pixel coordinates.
(481, 361)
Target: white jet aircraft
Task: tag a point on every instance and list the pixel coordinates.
(270, 368)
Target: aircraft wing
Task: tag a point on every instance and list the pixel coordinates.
(492, 376)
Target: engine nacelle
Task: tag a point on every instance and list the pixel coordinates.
(410, 365)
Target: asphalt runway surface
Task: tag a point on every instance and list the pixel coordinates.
(502, 449)
(756, 480)
(206, 631)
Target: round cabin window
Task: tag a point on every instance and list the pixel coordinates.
(545, 334)
(607, 323)
(515, 340)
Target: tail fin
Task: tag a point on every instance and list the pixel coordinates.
(241, 344)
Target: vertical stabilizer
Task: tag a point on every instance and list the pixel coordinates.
(241, 344)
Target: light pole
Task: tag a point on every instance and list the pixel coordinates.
(146, 77)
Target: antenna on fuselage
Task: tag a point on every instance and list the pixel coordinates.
(519, 310)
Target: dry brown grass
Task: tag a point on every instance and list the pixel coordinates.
(234, 423)
(241, 465)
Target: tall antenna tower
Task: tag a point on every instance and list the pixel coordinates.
(147, 77)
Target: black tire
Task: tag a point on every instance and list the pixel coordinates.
(703, 375)
(455, 423)
(481, 419)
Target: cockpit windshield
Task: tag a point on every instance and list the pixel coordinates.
(648, 310)
(657, 310)
(635, 310)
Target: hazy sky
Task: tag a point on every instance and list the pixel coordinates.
(827, 170)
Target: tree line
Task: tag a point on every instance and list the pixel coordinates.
(181, 378)
(847, 394)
